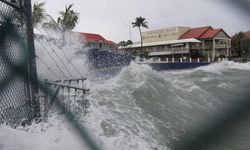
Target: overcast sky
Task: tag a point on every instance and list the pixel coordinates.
(111, 18)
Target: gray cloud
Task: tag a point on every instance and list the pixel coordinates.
(111, 18)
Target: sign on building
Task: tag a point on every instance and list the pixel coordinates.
(165, 34)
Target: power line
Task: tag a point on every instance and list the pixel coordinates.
(43, 62)
(52, 58)
(129, 30)
(75, 68)
(57, 55)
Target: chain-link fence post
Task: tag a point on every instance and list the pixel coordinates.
(32, 70)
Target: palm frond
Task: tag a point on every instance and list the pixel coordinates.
(38, 13)
(68, 18)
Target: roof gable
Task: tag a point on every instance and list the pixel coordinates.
(211, 33)
(195, 32)
(204, 33)
(222, 34)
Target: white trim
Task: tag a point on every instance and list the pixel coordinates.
(168, 53)
(191, 40)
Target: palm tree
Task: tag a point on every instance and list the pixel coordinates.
(38, 13)
(51, 24)
(122, 44)
(129, 42)
(140, 22)
(68, 18)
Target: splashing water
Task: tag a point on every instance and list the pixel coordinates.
(139, 108)
(144, 109)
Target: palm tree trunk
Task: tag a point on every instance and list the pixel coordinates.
(141, 41)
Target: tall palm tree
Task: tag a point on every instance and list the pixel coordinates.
(38, 13)
(68, 18)
(140, 22)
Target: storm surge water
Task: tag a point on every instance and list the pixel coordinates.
(143, 109)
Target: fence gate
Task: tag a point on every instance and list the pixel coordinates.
(17, 64)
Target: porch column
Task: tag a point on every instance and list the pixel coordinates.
(188, 48)
(172, 49)
(203, 47)
(213, 53)
(230, 50)
(227, 48)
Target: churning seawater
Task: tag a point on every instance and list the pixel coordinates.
(143, 109)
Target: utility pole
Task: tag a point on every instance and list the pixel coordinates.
(129, 30)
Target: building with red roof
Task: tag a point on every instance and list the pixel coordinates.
(195, 32)
(201, 43)
(203, 33)
(214, 42)
(93, 40)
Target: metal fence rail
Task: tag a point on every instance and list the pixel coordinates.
(71, 96)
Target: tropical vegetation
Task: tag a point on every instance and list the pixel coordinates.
(124, 44)
(140, 22)
(38, 13)
(68, 18)
(241, 44)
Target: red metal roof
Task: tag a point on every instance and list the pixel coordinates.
(195, 32)
(210, 33)
(91, 37)
(202, 33)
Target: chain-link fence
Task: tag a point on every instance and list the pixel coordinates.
(16, 93)
(19, 102)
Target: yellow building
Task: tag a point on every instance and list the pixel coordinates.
(165, 34)
(203, 44)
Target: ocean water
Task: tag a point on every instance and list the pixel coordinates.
(141, 109)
